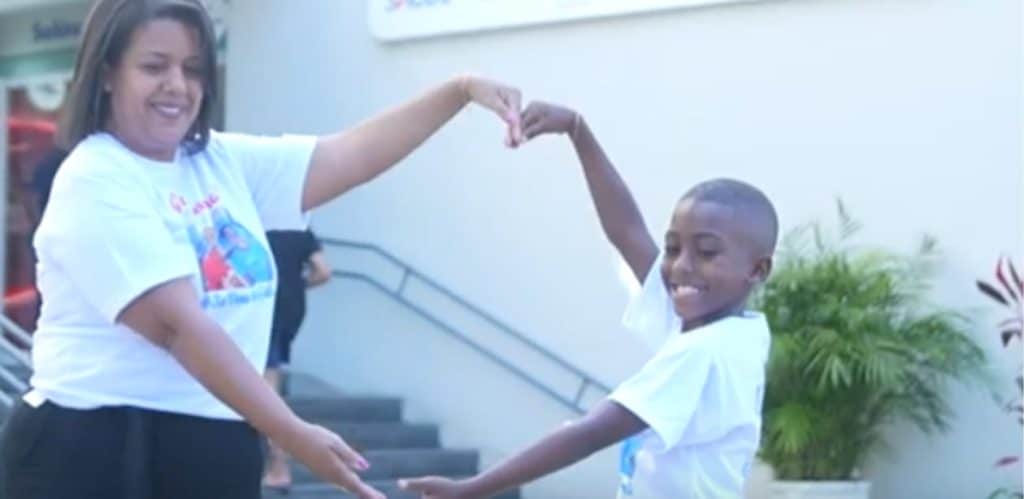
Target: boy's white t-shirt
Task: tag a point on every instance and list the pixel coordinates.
(118, 224)
(700, 396)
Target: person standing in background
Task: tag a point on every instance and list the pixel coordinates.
(300, 265)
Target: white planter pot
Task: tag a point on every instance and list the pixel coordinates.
(820, 490)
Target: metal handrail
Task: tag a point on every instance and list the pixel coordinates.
(19, 356)
(18, 384)
(15, 352)
(574, 403)
(12, 327)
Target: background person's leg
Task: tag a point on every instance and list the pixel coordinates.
(278, 474)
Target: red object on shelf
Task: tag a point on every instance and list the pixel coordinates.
(20, 296)
(31, 125)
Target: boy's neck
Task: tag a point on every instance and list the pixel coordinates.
(735, 310)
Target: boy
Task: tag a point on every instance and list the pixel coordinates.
(690, 419)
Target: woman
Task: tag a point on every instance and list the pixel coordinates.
(147, 384)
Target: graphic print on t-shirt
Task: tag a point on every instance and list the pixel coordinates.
(230, 257)
(627, 465)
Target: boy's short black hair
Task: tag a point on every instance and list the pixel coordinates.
(753, 206)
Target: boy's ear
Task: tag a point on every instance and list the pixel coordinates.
(762, 269)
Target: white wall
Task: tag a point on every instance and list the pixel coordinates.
(909, 109)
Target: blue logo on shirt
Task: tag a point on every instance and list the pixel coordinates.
(627, 464)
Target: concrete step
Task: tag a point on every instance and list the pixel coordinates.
(304, 385)
(324, 491)
(374, 436)
(392, 464)
(347, 409)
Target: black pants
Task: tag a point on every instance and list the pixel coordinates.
(51, 452)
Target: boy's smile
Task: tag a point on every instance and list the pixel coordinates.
(710, 263)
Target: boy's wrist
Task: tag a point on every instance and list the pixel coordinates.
(577, 124)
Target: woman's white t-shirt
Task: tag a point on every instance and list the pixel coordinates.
(118, 224)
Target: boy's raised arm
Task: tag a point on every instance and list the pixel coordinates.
(620, 217)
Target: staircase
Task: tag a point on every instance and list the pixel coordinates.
(374, 427)
(371, 425)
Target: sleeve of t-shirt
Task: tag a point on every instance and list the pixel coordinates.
(106, 235)
(650, 313)
(667, 392)
(275, 170)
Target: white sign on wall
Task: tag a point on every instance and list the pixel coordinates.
(392, 20)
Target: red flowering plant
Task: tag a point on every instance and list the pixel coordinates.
(1008, 291)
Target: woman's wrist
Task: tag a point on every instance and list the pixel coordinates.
(463, 83)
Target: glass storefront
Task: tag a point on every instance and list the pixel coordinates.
(32, 113)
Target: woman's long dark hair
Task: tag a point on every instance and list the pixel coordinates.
(108, 31)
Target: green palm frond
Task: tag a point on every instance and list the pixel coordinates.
(856, 346)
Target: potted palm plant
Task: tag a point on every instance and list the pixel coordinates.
(855, 347)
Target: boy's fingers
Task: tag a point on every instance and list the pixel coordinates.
(530, 118)
(533, 130)
(416, 484)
